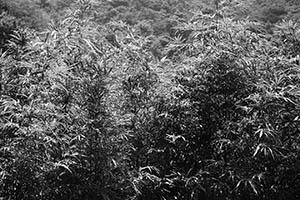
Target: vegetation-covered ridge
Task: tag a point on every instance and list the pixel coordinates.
(106, 103)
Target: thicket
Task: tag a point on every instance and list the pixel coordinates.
(89, 111)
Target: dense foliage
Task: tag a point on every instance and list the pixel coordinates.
(179, 100)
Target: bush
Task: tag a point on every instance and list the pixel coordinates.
(57, 138)
(230, 131)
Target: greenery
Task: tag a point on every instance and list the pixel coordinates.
(138, 100)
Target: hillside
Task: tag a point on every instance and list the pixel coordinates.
(149, 100)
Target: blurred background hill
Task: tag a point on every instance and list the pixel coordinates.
(158, 16)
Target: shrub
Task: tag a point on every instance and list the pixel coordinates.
(230, 130)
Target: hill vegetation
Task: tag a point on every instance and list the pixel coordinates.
(149, 100)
